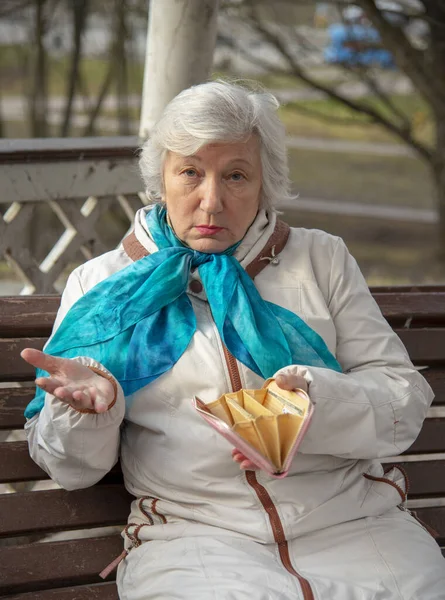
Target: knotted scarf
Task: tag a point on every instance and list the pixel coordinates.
(139, 321)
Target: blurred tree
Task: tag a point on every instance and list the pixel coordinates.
(121, 61)
(79, 16)
(38, 73)
(420, 57)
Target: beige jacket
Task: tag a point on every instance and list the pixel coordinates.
(373, 410)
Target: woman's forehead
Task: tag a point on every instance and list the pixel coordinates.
(247, 151)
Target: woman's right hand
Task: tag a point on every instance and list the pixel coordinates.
(71, 382)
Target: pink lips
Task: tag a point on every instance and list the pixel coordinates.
(208, 229)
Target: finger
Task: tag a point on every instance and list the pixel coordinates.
(48, 384)
(40, 360)
(248, 465)
(82, 398)
(63, 393)
(291, 382)
(99, 403)
(239, 458)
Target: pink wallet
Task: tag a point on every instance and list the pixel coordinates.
(266, 425)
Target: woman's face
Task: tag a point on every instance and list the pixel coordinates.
(213, 196)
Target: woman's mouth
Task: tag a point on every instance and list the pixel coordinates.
(208, 229)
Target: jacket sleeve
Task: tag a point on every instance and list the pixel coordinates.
(75, 449)
(376, 407)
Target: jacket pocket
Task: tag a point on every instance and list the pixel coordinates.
(394, 476)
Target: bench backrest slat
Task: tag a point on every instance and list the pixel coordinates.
(12, 367)
(102, 591)
(107, 504)
(64, 563)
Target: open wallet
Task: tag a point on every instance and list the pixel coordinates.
(266, 425)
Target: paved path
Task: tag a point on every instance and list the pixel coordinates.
(334, 145)
(352, 209)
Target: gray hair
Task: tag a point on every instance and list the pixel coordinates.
(219, 111)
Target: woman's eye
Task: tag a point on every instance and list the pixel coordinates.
(189, 172)
(236, 176)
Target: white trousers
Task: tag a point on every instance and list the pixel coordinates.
(390, 557)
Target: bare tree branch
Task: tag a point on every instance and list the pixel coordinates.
(409, 59)
(310, 112)
(402, 133)
(385, 99)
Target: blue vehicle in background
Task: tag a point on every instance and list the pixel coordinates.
(356, 44)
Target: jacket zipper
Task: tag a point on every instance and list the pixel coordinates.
(235, 377)
(264, 497)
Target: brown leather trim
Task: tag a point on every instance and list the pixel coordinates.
(134, 248)
(404, 473)
(389, 482)
(112, 380)
(264, 497)
(143, 511)
(153, 508)
(278, 533)
(274, 245)
(235, 377)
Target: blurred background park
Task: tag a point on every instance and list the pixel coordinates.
(362, 88)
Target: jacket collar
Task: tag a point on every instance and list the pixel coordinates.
(264, 240)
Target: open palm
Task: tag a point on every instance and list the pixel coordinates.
(71, 382)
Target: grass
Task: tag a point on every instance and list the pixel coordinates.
(388, 253)
(362, 178)
(299, 123)
(14, 75)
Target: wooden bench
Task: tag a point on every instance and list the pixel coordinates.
(36, 569)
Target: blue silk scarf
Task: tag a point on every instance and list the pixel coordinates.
(139, 321)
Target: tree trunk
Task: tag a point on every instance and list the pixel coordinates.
(438, 167)
(38, 98)
(122, 67)
(2, 124)
(95, 110)
(79, 15)
(180, 44)
(435, 58)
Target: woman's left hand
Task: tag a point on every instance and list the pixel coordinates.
(285, 382)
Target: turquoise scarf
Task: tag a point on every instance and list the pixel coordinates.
(139, 322)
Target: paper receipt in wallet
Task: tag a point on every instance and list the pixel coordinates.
(266, 425)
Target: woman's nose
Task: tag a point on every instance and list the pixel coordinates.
(212, 196)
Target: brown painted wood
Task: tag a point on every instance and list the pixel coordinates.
(416, 305)
(13, 402)
(28, 316)
(436, 378)
(425, 346)
(435, 517)
(56, 564)
(426, 478)
(376, 289)
(17, 465)
(430, 439)
(101, 591)
(58, 510)
(56, 150)
(12, 366)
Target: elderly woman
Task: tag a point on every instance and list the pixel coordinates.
(212, 293)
